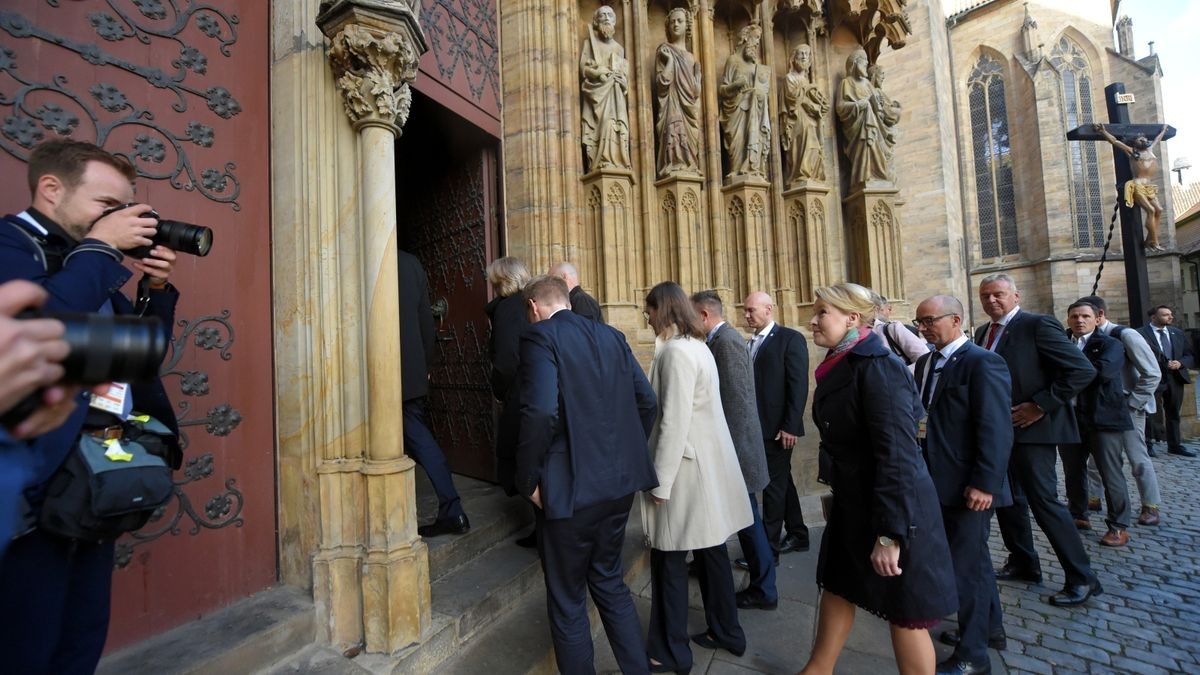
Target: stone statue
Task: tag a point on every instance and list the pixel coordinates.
(605, 87)
(863, 131)
(802, 107)
(745, 114)
(677, 91)
(1141, 189)
(888, 112)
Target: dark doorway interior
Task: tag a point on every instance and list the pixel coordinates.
(446, 185)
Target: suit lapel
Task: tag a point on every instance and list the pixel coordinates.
(1007, 332)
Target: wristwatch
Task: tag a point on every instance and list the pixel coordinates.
(886, 541)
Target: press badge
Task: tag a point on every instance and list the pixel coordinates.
(921, 426)
(113, 400)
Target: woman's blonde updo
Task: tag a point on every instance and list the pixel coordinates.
(507, 275)
(850, 299)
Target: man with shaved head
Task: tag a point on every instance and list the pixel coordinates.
(581, 303)
(966, 436)
(779, 359)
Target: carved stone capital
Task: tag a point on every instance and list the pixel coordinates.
(375, 46)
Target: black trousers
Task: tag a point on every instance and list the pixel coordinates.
(1034, 480)
(1172, 402)
(979, 613)
(667, 639)
(54, 605)
(423, 448)
(781, 503)
(580, 554)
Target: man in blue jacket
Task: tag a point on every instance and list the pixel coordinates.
(56, 592)
(1103, 418)
(967, 437)
(586, 411)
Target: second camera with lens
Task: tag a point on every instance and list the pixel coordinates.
(174, 234)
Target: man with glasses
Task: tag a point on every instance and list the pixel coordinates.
(1047, 372)
(966, 436)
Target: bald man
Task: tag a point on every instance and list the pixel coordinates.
(780, 362)
(581, 303)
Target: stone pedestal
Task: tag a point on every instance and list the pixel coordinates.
(741, 250)
(610, 227)
(874, 239)
(682, 218)
(808, 251)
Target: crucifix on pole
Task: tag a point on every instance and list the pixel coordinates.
(1136, 168)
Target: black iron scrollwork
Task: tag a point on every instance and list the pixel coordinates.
(25, 120)
(209, 333)
(462, 34)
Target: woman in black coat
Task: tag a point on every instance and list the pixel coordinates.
(884, 547)
(506, 311)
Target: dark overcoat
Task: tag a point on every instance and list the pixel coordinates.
(1101, 406)
(866, 410)
(509, 320)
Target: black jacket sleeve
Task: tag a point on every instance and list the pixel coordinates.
(1073, 371)
(795, 364)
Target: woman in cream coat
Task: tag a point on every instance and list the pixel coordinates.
(700, 500)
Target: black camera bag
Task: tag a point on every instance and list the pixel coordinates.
(95, 498)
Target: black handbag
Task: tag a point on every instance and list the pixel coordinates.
(106, 488)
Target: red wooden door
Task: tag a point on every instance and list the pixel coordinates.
(180, 88)
(447, 218)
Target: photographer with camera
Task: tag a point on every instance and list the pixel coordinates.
(56, 580)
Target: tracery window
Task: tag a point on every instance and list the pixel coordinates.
(1087, 212)
(993, 160)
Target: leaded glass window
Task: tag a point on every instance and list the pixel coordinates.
(1087, 212)
(990, 141)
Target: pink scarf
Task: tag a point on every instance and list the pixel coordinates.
(839, 352)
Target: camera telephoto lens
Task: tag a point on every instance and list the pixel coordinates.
(107, 348)
(184, 237)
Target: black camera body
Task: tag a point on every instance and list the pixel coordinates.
(174, 234)
(102, 348)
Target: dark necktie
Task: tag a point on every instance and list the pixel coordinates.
(927, 390)
(991, 336)
(1164, 341)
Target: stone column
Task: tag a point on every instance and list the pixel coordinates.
(874, 235)
(610, 220)
(373, 54)
(747, 236)
(682, 216)
(810, 257)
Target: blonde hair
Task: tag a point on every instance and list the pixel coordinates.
(508, 275)
(849, 298)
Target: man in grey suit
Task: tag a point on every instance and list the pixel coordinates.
(1140, 376)
(741, 415)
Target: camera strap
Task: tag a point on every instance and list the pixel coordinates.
(51, 260)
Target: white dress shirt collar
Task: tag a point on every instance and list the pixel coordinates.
(954, 346)
(713, 332)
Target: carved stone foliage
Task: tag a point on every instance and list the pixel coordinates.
(372, 69)
(224, 506)
(31, 109)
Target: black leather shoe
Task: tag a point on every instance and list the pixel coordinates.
(953, 666)
(793, 543)
(742, 564)
(528, 541)
(459, 525)
(1073, 596)
(1011, 572)
(997, 642)
(663, 668)
(709, 642)
(747, 601)
(1181, 451)
(1151, 451)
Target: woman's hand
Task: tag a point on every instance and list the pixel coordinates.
(886, 560)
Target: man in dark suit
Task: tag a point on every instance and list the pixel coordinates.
(737, 400)
(780, 358)
(417, 342)
(1174, 353)
(581, 303)
(581, 457)
(1103, 420)
(1047, 371)
(967, 437)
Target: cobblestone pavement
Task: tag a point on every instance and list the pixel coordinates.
(1147, 620)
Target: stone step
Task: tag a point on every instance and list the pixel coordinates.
(494, 517)
(245, 637)
(519, 643)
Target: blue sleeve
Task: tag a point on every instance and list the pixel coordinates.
(83, 284)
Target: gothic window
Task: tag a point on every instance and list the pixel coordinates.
(1086, 210)
(993, 160)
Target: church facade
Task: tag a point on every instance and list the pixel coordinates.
(778, 145)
